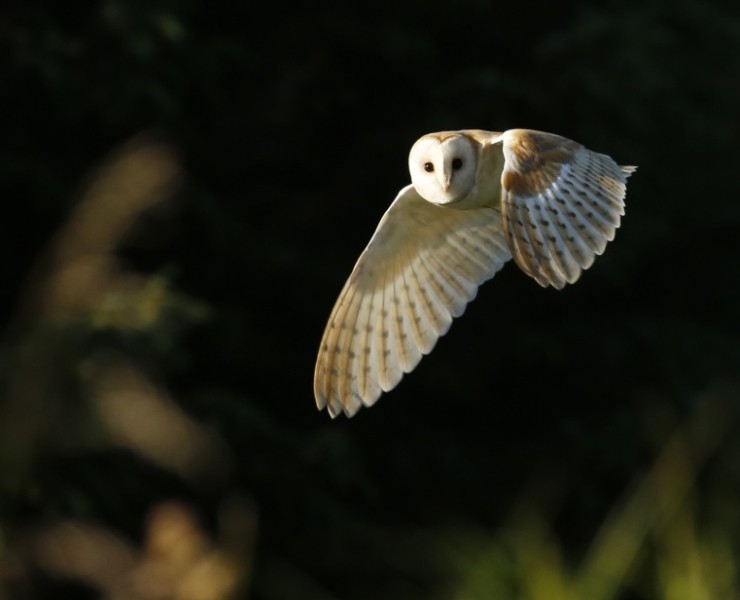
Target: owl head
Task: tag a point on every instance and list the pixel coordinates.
(443, 167)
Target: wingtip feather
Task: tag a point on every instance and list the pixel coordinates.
(627, 170)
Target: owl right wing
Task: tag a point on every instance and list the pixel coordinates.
(561, 203)
(422, 266)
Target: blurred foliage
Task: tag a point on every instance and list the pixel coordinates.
(187, 187)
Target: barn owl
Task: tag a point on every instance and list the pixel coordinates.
(477, 198)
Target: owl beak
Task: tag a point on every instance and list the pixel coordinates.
(446, 181)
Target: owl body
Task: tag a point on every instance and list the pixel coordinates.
(476, 200)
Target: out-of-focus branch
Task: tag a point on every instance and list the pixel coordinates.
(75, 274)
(142, 417)
(80, 265)
(61, 391)
(178, 560)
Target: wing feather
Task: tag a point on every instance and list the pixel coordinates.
(366, 387)
(422, 266)
(522, 248)
(400, 328)
(420, 310)
(538, 233)
(382, 350)
(570, 226)
(440, 299)
(341, 360)
(453, 295)
(556, 240)
(333, 338)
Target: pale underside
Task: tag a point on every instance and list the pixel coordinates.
(553, 208)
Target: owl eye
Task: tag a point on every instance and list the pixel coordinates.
(428, 167)
(457, 164)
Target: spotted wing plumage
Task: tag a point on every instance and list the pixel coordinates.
(561, 204)
(422, 266)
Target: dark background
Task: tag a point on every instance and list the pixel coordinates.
(291, 125)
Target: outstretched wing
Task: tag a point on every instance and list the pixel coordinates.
(422, 266)
(561, 204)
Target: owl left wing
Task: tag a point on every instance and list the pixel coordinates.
(422, 266)
(561, 203)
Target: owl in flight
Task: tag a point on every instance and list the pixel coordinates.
(476, 199)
